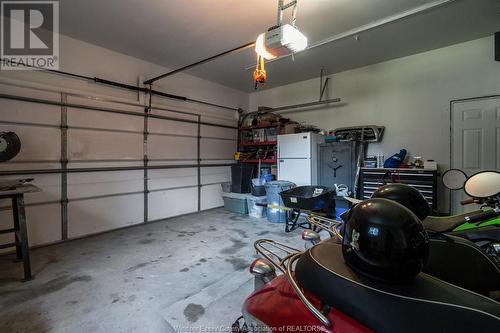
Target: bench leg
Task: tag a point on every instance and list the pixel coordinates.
(23, 235)
(15, 214)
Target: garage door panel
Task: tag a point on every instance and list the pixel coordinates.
(170, 147)
(171, 127)
(162, 179)
(26, 112)
(215, 174)
(217, 120)
(6, 223)
(43, 223)
(105, 104)
(50, 184)
(104, 120)
(218, 132)
(97, 215)
(211, 197)
(173, 114)
(217, 148)
(171, 203)
(37, 143)
(99, 145)
(81, 185)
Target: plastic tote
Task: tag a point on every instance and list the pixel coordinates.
(235, 202)
(275, 211)
(258, 188)
(256, 206)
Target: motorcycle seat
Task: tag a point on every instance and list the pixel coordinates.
(425, 305)
(446, 223)
(463, 263)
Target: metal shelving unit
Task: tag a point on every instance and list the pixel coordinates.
(269, 145)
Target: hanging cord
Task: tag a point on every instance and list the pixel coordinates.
(259, 74)
(294, 15)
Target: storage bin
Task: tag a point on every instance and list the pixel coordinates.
(235, 203)
(258, 188)
(275, 213)
(271, 134)
(256, 206)
(226, 187)
(241, 178)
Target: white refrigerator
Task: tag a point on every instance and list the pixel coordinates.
(298, 158)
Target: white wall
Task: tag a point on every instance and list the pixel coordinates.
(410, 96)
(91, 144)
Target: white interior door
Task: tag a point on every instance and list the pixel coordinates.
(297, 171)
(475, 140)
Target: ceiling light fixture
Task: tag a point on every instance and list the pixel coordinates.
(281, 39)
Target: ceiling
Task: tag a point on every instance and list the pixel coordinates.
(174, 33)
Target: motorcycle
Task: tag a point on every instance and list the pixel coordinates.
(467, 257)
(318, 292)
(481, 226)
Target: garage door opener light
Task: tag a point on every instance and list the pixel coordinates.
(279, 40)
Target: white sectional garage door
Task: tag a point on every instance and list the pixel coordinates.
(100, 170)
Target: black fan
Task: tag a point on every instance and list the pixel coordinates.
(10, 145)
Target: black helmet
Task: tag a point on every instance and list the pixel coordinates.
(406, 195)
(385, 240)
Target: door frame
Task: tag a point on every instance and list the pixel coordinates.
(452, 103)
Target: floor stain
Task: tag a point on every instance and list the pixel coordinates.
(239, 264)
(237, 245)
(240, 232)
(203, 260)
(185, 269)
(147, 241)
(262, 233)
(49, 287)
(238, 218)
(193, 312)
(181, 232)
(138, 266)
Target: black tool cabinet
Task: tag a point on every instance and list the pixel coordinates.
(423, 180)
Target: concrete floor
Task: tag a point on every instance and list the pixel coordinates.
(170, 276)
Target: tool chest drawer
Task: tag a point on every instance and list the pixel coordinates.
(423, 180)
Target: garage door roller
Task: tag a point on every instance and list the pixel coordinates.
(10, 145)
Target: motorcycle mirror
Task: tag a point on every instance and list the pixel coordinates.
(454, 179)
(262, 267)
(311, 236)
(483, 184)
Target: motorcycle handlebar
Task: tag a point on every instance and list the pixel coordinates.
(489, 214)
(467, 201)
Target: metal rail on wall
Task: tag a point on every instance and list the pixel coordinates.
(129, 87)
(64, 170)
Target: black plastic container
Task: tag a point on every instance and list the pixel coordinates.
(241, 178)
(258, 191)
